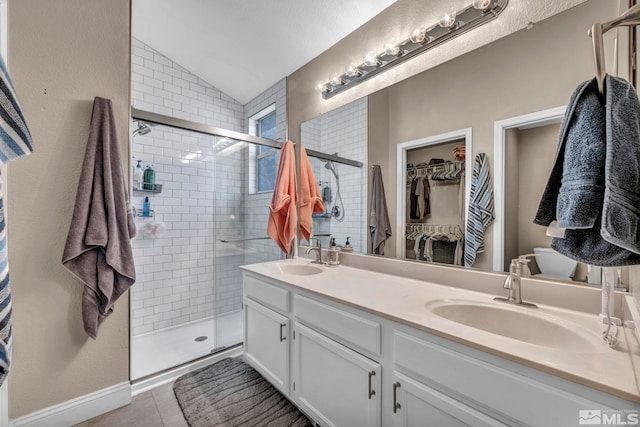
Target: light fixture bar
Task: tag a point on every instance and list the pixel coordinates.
(465, 20)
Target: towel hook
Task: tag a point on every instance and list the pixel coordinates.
(629, 18)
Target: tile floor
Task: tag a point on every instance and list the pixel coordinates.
(154, 408)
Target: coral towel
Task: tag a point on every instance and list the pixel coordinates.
(283, 216)
(310, 197)
(98, 249)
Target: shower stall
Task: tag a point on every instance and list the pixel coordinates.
(202, 222)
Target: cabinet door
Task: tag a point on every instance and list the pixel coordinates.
(416, 404)
(266, 343)
(334, 384)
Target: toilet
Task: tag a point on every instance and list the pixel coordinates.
(554, 265)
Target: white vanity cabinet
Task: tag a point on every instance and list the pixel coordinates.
(336, 376)
(334, 384)
(416, 404)
(345, 366)
(266, 332)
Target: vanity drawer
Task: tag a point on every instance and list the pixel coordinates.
(501, 393)
(352, 330)
(264, 293)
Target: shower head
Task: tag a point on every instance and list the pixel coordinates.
(143, 129)
(332, 167)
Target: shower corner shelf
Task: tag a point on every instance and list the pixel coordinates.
(156, 189)
(139, 213)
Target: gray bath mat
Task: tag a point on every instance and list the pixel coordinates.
(232, 393)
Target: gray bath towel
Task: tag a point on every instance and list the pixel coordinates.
(98, 249)
(593, 190)
(379, 224)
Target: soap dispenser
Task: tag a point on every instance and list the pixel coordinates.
(334, 254)
(347, 246)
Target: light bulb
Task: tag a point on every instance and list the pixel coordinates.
(335, 79)
(392, 48)
(418, 35)
(352, 70)
(320, 86)
(448, 19)
(371, 59)
(481, 4)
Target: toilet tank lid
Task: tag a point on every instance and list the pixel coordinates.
(537, 250)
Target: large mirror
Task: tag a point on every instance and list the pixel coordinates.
(505, 100)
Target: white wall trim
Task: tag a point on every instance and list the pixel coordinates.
(526, 121)
(165, 377)
(401, 174)
(79, 409)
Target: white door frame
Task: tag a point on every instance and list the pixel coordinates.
(526, 121)
(401, 176)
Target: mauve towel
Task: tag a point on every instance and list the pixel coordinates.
(593, 190)
(98, 249)
(379, 224)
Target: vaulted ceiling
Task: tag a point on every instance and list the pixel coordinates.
(243, 47)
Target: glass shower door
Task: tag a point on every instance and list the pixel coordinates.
(241, 217)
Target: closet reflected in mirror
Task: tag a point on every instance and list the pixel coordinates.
(434, 201)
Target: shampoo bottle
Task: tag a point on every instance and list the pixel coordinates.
(149, 178)
(146, 207)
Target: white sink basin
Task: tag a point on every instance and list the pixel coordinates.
(519, 323)
(301, 269)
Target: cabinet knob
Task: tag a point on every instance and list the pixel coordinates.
(396, 405)
(371, 391)
(282, 337)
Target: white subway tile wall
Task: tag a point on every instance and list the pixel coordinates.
(343, 131)
(186, 273)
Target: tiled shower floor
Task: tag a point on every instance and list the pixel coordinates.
(159, 350)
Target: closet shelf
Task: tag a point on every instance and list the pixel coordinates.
(437, 166)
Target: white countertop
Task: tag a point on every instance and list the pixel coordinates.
(407, 300)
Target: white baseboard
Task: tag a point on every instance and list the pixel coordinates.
(79, 409)
(147, 384)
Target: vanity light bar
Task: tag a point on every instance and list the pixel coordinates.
(449, 26)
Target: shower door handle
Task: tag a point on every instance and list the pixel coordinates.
(282, 326)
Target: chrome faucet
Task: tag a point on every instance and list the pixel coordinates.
(513, 282)
(317, 248)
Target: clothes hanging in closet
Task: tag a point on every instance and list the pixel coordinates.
(419, 196)
(446, 248)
